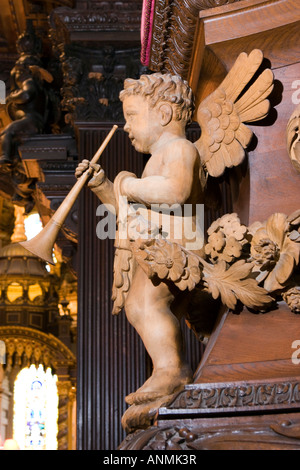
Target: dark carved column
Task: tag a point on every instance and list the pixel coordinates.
(111, 356)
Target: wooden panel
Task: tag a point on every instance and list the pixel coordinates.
(270, 183)
(223, 32)
(273, 179)
(247, 18)
(248, 346)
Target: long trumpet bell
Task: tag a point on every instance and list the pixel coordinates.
(42, 244)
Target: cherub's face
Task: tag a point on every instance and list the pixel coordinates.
(142, 123)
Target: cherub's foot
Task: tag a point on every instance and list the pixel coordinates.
(163, 382)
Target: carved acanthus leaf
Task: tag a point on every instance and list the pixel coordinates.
(243, 264)
(234, 284)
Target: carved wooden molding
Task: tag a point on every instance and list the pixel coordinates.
(174, 27)
(186, 422)
(215, 398)
(274, 432)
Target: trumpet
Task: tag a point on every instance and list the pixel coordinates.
(42, 244)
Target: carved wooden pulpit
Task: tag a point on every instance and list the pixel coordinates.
(246, 390)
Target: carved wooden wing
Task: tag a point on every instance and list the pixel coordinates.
(223, 113)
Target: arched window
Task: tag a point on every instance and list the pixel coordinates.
(35, 409)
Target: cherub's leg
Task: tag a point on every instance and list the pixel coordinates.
(148, 309)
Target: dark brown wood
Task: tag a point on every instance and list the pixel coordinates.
(248, 346)
(272, 178)
(257, 432)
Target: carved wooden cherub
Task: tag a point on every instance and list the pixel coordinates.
(27, 105)
(157, 109)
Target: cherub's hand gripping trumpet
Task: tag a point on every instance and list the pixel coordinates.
(42, 244)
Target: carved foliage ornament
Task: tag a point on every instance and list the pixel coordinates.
(253, 265)
(191, 436)
(120, 16)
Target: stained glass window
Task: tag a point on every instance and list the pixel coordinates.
(33, 225)
(36, 409)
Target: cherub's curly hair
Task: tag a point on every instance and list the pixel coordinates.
(163, 87)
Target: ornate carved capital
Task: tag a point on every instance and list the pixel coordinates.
(173, 32)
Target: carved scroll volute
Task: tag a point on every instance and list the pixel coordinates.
(293, 138)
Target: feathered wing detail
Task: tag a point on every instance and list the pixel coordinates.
(222, 115)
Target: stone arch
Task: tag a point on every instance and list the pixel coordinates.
(25, 346)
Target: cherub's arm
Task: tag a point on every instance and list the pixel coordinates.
(99, 184)
(172, 186)
(105, 192)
